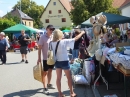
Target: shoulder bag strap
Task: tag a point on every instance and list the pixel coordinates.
(56, 47)
(50, 46)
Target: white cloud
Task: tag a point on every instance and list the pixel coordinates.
(10, 8)
(3, 2)
(1, 13)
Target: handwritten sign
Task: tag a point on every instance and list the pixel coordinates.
(55, 16)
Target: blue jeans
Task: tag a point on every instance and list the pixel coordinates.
(62, 65)
(75, 53)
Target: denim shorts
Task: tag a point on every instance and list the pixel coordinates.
(62, 65)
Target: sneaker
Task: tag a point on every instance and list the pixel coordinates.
(46, 91)
(22, 60)
(26, 61)
(50, 86)
(2, 63)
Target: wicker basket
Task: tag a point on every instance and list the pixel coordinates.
(37, 72)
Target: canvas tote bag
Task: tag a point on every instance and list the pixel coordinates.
(37, 72)
(51, 59)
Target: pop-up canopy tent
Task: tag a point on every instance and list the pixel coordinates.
(111, 19)
(66, 30)
(17, 29)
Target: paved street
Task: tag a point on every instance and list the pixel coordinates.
(16, 79)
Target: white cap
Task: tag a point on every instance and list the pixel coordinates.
(2, 33)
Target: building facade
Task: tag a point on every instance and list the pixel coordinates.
(26, 20)
(125, 11)
(124, 7)
(57, 13)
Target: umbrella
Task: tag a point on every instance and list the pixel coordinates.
(66, 30)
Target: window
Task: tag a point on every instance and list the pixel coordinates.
(47, 20)
(129, 25)
(54, 3)
(50, 12)
(29, 23)
(25, 23)
(63, 19)
(59, 11)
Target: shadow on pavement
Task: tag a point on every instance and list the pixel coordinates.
(80, 90)
(55, 94)
(13, 63)
(26, 93)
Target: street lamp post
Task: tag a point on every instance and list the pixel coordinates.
(20, 13)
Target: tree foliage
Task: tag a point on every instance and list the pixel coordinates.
(33, 10)
(5, 23)
(83, 9)
(79, 13)
(113, 10)
(14, 18)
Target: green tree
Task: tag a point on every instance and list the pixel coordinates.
(79, 13)
(113, 10)
(84, 9)
(33, 10)
(6, 23)
(14, 18)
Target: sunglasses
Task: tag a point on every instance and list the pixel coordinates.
(51, 29)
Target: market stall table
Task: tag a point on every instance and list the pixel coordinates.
(126, 74)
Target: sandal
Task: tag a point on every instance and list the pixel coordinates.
(63, 95)
(74, 95)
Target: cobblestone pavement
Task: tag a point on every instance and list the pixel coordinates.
(16, 79)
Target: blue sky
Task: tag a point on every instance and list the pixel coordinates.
(6, 5)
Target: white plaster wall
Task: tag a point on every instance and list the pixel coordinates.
(126, 11)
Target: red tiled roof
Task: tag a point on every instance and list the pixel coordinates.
(125, 3)
(118, 3)
(66, 4)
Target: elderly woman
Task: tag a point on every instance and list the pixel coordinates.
(62, 60)
(3, 48)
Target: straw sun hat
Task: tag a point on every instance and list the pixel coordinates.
(93, 20)
(98, 24)
(102, 19)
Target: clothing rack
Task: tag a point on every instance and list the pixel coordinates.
(100, 71)
(100, 75)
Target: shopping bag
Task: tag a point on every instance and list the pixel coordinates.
(86, 70)
(50, 59)
(37, 72)
(80, 79)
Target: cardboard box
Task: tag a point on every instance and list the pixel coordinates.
(122, 44)
(125, 71)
